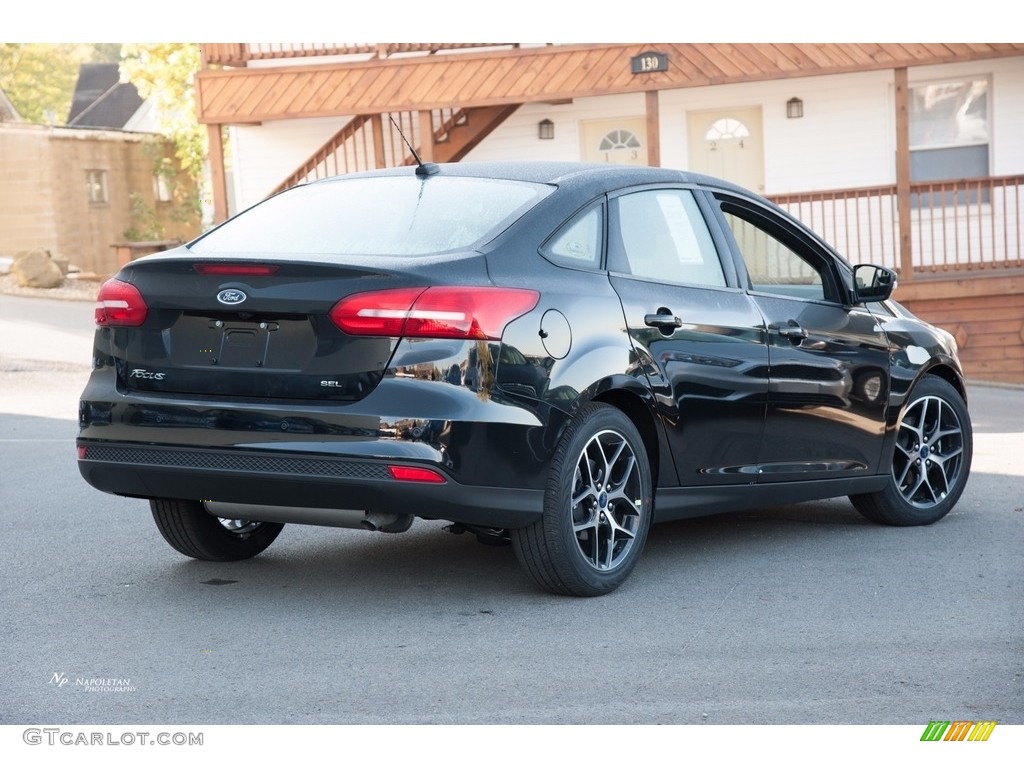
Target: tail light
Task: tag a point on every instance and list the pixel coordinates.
(120, 303)
(439, 312)
(258, 270)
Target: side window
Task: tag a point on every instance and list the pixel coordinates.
(774, 266)
(578, 244)
(664, 237)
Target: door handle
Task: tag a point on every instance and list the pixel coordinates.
(663, 320)
(793, 332)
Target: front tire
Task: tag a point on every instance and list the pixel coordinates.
(931, 459)
(190, 529)
(598, 505)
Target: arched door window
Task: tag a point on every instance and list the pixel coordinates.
(726, 129)
(620, 140)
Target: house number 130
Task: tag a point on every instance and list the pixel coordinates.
(649, 62)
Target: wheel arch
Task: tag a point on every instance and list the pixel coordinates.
(903, 386)
(639, 412)
(949, 373)
(923, 486)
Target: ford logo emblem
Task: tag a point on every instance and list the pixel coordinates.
(231, 296)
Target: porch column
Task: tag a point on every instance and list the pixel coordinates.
(903, 174)
(379, 159)
(219, 182)
(426, 136)
(653, 128)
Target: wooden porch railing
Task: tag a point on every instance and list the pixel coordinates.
(962, 225)
(238, 54)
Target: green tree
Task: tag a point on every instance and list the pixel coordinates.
(39, 78)
(164, 73)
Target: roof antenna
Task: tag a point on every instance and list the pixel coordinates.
(423, 170)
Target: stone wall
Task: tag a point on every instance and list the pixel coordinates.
(44, 200)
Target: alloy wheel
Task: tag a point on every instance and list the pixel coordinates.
(238, 527)
(929, 453)
(606, 500)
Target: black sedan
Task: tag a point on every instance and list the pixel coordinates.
(556, 355)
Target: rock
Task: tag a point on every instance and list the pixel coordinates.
(36, 269)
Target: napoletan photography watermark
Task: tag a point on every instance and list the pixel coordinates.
(93, 684)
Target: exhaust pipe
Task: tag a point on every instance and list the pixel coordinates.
(386, 522)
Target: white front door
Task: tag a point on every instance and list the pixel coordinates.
(622, 141)
(727, 143)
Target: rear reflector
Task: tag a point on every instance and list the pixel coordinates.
(415, 474)
(439, 312)
(235, 269)
(120, 303)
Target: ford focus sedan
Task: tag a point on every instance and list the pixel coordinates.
(555, 355)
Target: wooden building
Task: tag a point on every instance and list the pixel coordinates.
(911, 155)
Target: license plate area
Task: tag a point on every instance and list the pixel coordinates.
(240, 347)
(225, 355)
(230, 343)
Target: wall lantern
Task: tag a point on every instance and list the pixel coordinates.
(545, 129)
(794, 108)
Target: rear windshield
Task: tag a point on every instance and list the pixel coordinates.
(394, 215)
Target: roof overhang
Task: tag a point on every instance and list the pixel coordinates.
(547, 74)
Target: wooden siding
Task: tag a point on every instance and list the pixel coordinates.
(551, 73)
(985, 316)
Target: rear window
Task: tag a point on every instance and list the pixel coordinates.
(377, 216)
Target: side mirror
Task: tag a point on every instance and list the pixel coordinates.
(872, 283)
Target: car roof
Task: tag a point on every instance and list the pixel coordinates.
(561, 173)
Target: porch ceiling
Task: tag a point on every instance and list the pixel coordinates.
(256, 94)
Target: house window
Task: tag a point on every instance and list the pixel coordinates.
(96, 185)
(161, 188)
(619, 139)
(620, 146)
(949, 134)
(726, 128)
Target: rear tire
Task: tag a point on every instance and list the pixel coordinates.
(190, 529)
(597, 507)
(931, 459)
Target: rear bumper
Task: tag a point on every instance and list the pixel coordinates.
(492, 450)
(276, 478)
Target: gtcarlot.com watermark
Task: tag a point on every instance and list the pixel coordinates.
(69, 738)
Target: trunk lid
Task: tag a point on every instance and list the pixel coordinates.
(260, 335)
